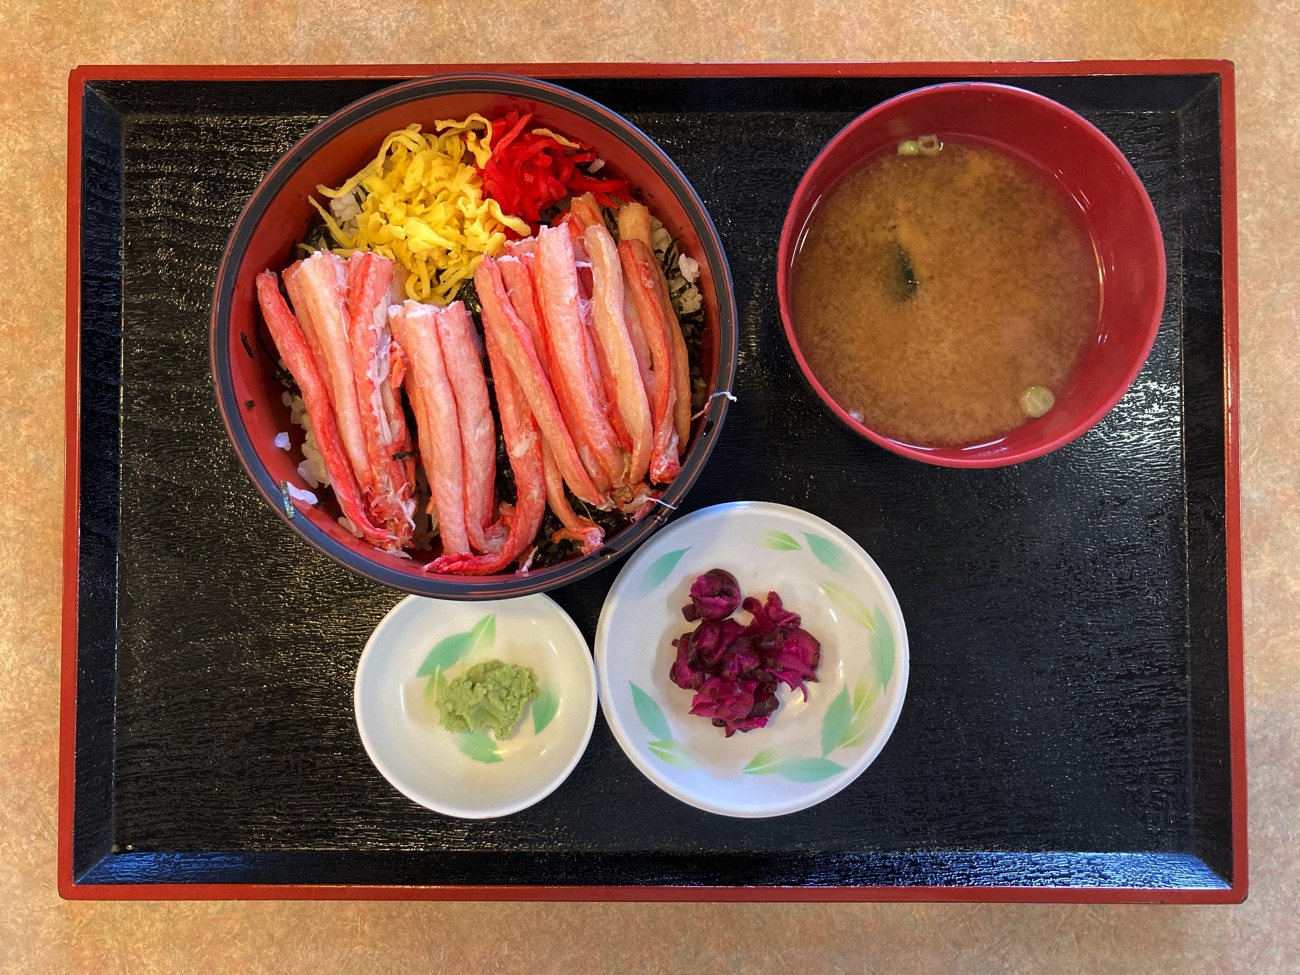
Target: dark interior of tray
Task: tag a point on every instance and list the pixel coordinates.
(1066, 722)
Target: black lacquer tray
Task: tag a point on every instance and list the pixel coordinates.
(1073, 728)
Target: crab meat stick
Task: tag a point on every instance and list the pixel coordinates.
(321, 282)
(572, 368)
(478, 432)
(293, 346)
(392, 499)
(636, 332)
(298, 300)
(629, 396)
(518, 350)
(586, 211)
(634, 224)
(638, 273)
(581, 530)
(435, 415)
(524, 448)
(517, 273)
(520, 281)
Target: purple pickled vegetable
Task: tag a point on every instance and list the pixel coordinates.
(685, 673)
(795, 660)
(714, 596)
(735, 669)
(724, 699)
(740, 661)
(778, 614)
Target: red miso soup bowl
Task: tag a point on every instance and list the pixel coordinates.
(278, 216)
(1114, 209)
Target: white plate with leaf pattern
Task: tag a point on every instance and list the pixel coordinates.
(810, 750)
(424, 643)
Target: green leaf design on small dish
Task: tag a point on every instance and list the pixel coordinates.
(478, 745)
(434, 686)
(827, 552)
(450, 649)
(544, 707)
(764, 763)
(650, 713)
(882, 649)
(485, 632)
(660, 568)
(672, 752)
(778, 540)
(835, 723)
(445, 653)
(849, 602)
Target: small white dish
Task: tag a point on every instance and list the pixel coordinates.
(810, 749)
(473, 776)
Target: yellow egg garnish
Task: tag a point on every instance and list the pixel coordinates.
(422, 205)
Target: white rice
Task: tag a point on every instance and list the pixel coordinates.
(299, 494)
(312, 467)
(689, 301)
(660, 238)
(344, 208)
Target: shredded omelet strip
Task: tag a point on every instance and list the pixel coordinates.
(423, 206)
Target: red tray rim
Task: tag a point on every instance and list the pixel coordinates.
(1235, 893)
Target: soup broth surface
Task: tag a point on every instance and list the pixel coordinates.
(932, 291)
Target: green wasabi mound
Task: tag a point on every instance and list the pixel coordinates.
(488, 695)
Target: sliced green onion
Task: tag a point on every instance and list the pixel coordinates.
(929, 145)
(1036, 401)
(908, 147)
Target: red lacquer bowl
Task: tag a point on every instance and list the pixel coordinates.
(278, 215)
(1116, 213)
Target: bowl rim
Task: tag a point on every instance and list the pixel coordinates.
(486, 83)
(948, 456)
(579, 648)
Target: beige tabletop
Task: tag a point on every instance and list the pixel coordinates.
(42, 41)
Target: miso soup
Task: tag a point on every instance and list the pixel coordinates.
(944, 298)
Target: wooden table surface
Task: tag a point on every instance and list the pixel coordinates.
(43, 41)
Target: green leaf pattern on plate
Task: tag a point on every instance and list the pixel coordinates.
(882, 649)
(835, 723)
(544, 707)
(764, 763)
(778, 540)
(445, 653)
(865, 693)
(650, 714)
(434, 686)
(808, 769)
(478, 745)
(485, 632)
(672, 752)
(660, 568)
(849, 603)
(662, 745)
(450, 649)
(827, 552)
(794, 769)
